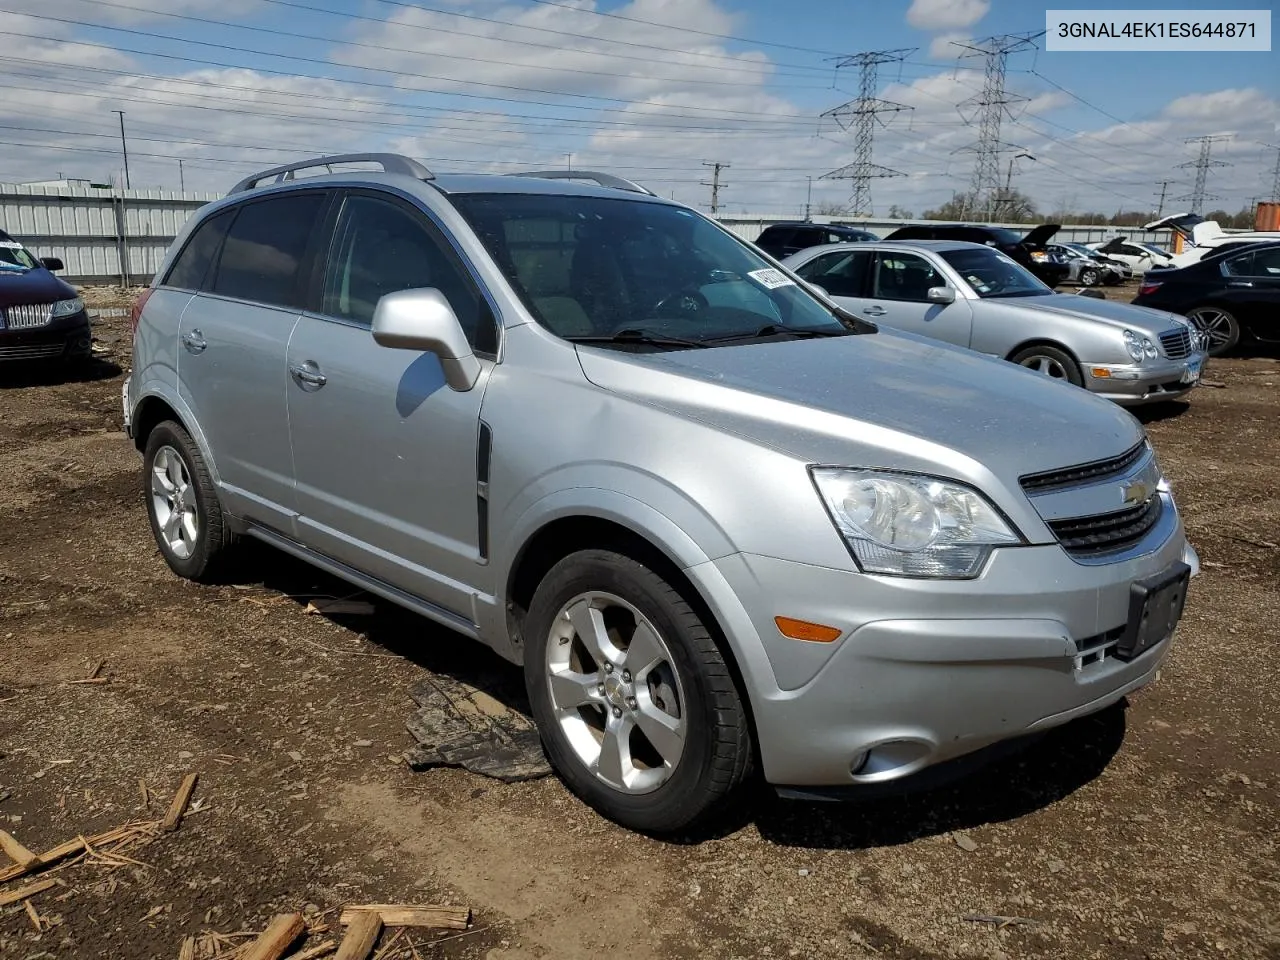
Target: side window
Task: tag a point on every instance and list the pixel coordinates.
(1241, 266)
(779, 236)
(1132, 251)
(840, 274)
(905, 276)
(380, 247)
(264, 249)
(1266, 263)
(192, 265)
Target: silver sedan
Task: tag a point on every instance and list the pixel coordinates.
(976, 297)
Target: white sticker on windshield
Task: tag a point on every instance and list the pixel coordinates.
(771, 279)
(10, 246)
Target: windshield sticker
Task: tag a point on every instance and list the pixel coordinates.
(9, 245)
(771, 279)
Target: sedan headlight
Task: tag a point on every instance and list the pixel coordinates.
(67, 308)
(912, 525)
(1139, 347)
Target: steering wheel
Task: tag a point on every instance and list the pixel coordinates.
(684, 303)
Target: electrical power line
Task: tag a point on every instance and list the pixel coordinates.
(862, 115)
(1202, 163)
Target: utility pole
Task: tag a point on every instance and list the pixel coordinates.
(1202, 163)
(124, 148)
(714, 183)
(1164, 188)
(808, 197)
(988, 110)
(1007, 196)
(182, 181)
(862, 115)
(568, 159)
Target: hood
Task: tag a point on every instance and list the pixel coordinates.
(32, 286)
(1041, 235)
(1192, 227)
(1111, 312)
(877, 400)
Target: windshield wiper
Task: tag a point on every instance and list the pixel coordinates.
(776, 329)
(639, 336)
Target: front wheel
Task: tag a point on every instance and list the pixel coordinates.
(1053, 362)
(1220, 328)
(1088, 277)
(636, 706)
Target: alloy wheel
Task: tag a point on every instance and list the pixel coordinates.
(1217, 326)
(615, 692)
(173, 500)
(1046, 365)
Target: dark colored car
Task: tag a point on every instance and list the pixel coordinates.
(1230, 295)
(783, 239)
(41, 316)
(1029, 251)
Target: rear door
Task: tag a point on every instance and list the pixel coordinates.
(232, 345)
(385, 452)
(1253, 292)
(898, 297)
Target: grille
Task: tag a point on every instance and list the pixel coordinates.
(1177, 344)
(28, 315)
(1096, 649)
(1085, 472)
(31, 352)
(1107, 532)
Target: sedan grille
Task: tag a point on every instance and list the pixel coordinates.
(1084, 473)
(33, 351)
(1177, 344)
(28, 315)
(1107, 532)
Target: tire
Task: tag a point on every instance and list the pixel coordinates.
(1222, 328)
(1051, 361)
(661, 785)
(1088, 277)
(194, 546)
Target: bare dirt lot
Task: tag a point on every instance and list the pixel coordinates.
(1149, 831)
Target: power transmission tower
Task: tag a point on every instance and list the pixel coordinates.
(862, 115)
(714, 183)
(1164, 188)
(1202, 163)
(1275, 177)
(988, 110)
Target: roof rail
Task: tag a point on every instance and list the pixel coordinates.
(603, 179)
(391, 163)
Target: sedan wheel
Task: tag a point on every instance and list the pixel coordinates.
(1053, 362)
(1221, 329)
(1088, 277)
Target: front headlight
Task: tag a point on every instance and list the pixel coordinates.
(912, 525)
(67, 308)
(1133, 344)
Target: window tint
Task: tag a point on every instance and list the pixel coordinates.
(1266, 263)
(905, 276)
(189, 270)
(381, 247)
(265, 247)
(1238, 266)
(840, 274)
(777, 235)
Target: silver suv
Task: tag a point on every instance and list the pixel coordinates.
(720, 521)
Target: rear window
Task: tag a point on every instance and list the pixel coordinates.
(264, 249)
(189, 270)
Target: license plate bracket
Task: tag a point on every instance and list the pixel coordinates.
(1192, 373)
(1155, 607)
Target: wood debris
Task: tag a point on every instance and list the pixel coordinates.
(107, 846)
(34, 915)
(409, 915)
(277, 938)
(14, 850)
(313, 953)
(179, 805)
(340, 607)
(188, 951)
(22, 893)
(362, 934)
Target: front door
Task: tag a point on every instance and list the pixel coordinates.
(1253, 292)
(899, 297)
(384, 451)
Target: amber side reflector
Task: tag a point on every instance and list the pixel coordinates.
(804, 630)
(1101, 372)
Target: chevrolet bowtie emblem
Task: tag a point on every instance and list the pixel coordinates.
(1136, 492)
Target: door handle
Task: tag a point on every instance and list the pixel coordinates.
(1239, 283)
(875, 311)
(308, 374)
(194, 341)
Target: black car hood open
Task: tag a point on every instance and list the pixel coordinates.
(32, 286)
(1041, 235)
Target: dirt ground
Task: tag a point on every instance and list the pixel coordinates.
(1149, 831)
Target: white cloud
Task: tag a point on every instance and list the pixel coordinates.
(946, 14)
(943, 46)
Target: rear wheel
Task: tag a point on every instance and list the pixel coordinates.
(1220, 328)
(182, 504)
(1053, 362)
(636, 706)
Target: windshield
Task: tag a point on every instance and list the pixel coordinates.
(589, 267)
(14, 258)
(991, 274)
(1158, 251)
(1081, 249)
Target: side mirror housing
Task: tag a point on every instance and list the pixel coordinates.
(423, 320)
(941, 295)
(52, 263)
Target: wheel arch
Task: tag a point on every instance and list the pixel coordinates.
(153, 409)
(1042, 342)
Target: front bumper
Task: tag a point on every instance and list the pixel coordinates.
(928, 670)
(66, 338)
(1150, 382)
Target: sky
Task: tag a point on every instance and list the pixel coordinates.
(651, 90)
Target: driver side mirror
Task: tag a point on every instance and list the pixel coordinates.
(51, 263)
(941, 295)
(423, 320)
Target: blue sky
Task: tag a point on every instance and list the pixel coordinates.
(650, 89)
